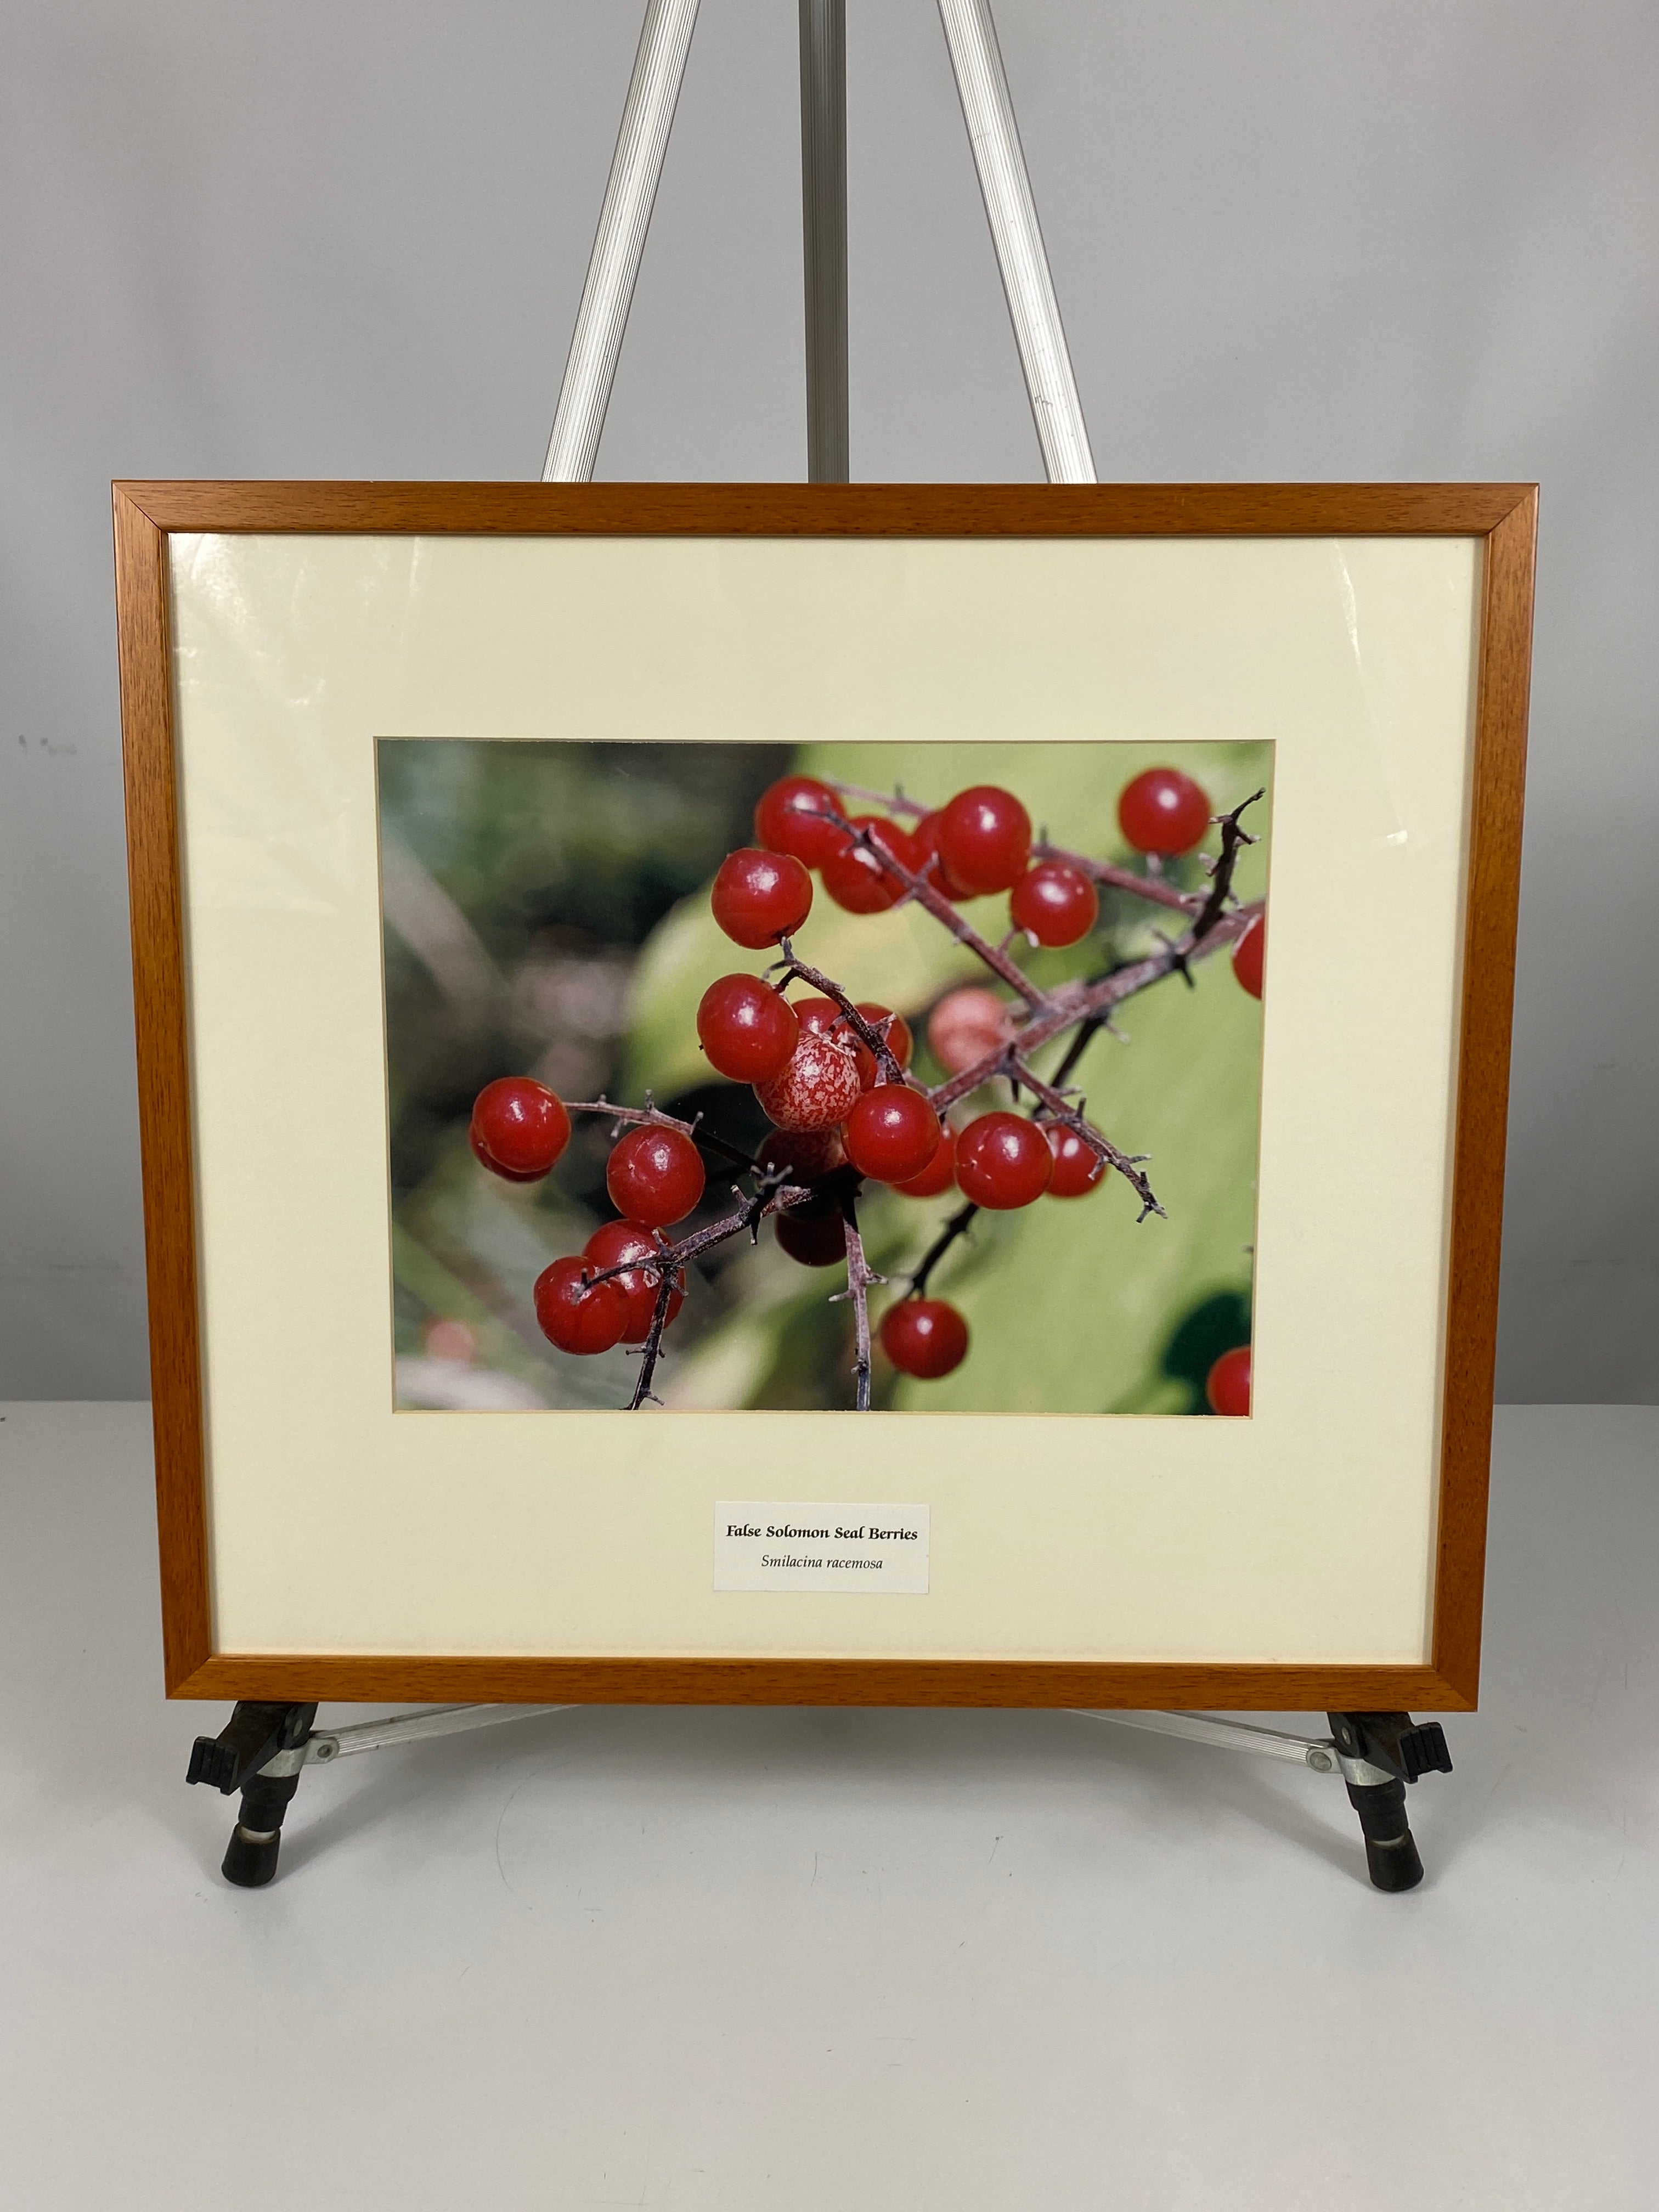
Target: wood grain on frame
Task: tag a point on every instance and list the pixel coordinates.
(1504, 516)
(1497, 776)
(1245, 1688)
(158, 1006)
(625, 510)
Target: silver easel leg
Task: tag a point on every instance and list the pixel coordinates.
(614, 264)
(1011, 212)
(824, 220)
(263, 1748)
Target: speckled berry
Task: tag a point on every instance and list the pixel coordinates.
(818, 1089)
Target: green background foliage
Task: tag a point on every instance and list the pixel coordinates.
(547, 911)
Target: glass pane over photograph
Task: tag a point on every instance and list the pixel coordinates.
(1076, 1031)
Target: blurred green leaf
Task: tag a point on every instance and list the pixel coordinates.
(1071, 1303)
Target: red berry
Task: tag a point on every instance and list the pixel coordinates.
(803, 1154)
(940, 1172)
(924, 1337)
(985, 839)
(968, 1025)
(926, 835)
(818, 1088)
(1228, 1386)
(654, 1176)
(1003, 1162)
(1249, 955)
(746, 1028)
(612, 1246)
(518, 1128)
(892, 1133)
(796, 815)
(1054, 903)
(824, 1017)
(855, 878)
(814, 1240)
(1161, 810)
(578, 1316)
(508, 1175)
(759, 897)
(1078, 1167)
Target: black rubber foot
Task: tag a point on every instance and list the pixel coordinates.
(251, 1861)
(1394, 1866)
(1390, 1853)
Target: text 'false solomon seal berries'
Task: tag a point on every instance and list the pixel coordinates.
(924, 1337)
(518, 1128)
(654, 1176)
(758, 898)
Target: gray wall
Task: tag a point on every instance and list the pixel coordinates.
(1291, 241)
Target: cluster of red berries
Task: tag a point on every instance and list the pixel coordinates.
(655, 1177)
(978, 844)
(834, 1104)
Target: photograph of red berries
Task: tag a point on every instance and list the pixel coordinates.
(856, 1076)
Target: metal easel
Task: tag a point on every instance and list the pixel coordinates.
(264, 1748)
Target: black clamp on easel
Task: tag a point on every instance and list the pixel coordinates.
(259, 1751)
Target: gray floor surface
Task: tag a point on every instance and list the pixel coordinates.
(831, 1960)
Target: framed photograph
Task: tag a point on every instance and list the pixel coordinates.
(823, 1095)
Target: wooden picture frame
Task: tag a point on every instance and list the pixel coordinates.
(148, 514)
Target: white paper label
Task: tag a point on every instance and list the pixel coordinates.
(867, 1549)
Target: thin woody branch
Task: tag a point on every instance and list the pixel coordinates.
(950, 916)
(1121, 880)
(872, 1039)
(958, 1225)
(1061, 1109)
(860, 1280)
(646, 1117)
(1075, 1002)
(651, 1352)
(1101, 872)
(896, 800)
(669, 1267)
(653, 1117)
(668, 1263)
(1234, 838)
